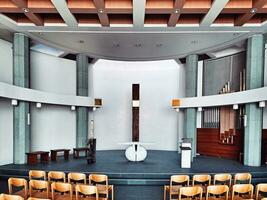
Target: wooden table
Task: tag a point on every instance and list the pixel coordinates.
(32, 157)
(76, 151)
(55, 151)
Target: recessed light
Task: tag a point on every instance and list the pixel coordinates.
(26, 10)
(101, 10)
(159, 45)
(116, 45)
(81, 41)
(194, 42)
(253, 10)
(139, 45)
(177, 11)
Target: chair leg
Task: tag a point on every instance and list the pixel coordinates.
(164, 193)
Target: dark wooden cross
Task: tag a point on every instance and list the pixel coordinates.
(135, 112)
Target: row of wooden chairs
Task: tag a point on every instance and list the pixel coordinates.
(16, 197)
(38, 180)
(239, 191)
(204, 180)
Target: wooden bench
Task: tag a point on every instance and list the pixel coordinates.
(55, 151)
(32, 157)
(76, 151)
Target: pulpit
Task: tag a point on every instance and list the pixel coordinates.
(186, 152)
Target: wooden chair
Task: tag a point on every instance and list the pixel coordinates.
(224, 179)
(18, 183)
(202, 180)
(242, 189)
(101, 181)
(56, 176)
(190, 192)
(176, 182)
(37, 174)
(87, 190)
(61, 188)
(262, 187)
(242, 177)
(76, 178)
(217, 190)
(41, 186)
(10, 197)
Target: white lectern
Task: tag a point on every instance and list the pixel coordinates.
(186, 152)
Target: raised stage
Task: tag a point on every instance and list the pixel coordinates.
(147, 177)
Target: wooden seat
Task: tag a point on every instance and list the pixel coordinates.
(224, 179)
(18, 183)
(37, 174)
(202, 180)
(42, 188)
(76, 178)
(190, 192)
(10, 197)
(217, 192)
(86, 190)
(34, 198)
(176, 182)
(241, 190)
(101, 181)
(261, 188)
(59, 189)
(242, 178)
(56, 176)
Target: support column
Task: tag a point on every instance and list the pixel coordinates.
(191, 91)
(254, 79)
(21, 77)
(82, 90)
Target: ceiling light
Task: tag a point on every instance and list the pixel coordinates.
(38, 105)
(116, 45)
(177, 11)
(26, 10)
(14, 102)
(262, 104)
(81, 41)
(253, 10)
(139, 45)
(199, 109)
(73, 108)
(101, 10)
(194, 42)
(235, 106)
(159, 45)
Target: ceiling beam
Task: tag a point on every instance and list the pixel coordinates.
(102, 15)
(63, 10)
(139, 9)
(244, 18)
(178, 5)
(216, 8)
(35, 18)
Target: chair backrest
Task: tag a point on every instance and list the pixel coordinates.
(76, 177)
(98, 179)
(62, 188)
(56, 176)
(262, 187)
(222, 190)
(242, 177)
(86, 190)
(40, 185)
(191, 192)
(242, 189)
(18, 182)
(201, 179)
(37, 174)
(10, 197)
(225, 179)
(179, 180)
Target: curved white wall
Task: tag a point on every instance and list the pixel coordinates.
(159, 83)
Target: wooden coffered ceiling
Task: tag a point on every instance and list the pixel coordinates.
(155, 13)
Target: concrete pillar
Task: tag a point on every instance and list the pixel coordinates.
(191, 91)
(254, 79)
(21, 77)
(82, 90)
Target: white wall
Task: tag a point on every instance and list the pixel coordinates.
(52, 126)
(6, 110)
(159, 83)
(265, 84)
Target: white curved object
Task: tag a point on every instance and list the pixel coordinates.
(136, 153)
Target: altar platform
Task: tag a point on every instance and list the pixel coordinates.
(151, 174)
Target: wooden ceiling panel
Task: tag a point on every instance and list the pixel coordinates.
(156, 18)
(52, 18)
(118, 4)
(40, 4)
(120, 19)
(87, 18)
(190, 19)
(225, 19)
(239, 4)
(83, 4)
(198, 4)
(161, 4)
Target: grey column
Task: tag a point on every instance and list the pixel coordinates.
(21, 77)
(82, 90)
(254, 79)
(191, 91)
